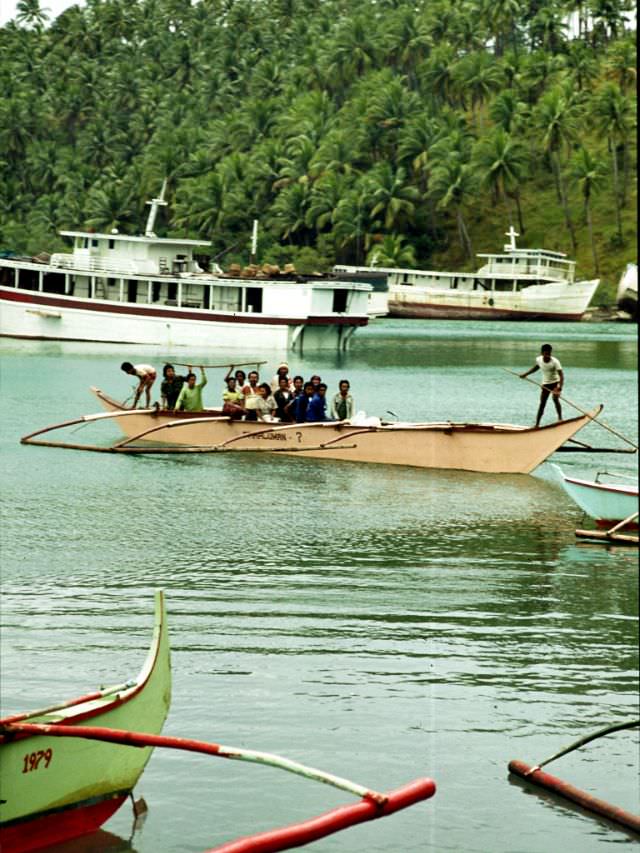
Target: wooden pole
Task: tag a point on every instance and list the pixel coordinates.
(564, 399)
(219, 366)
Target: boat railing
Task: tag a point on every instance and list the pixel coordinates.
(546, 270)
(67, 261)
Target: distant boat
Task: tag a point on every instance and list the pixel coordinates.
(627, 296)
(118, 288)
(483, 447)
(518, 284)
(605, 502)
(53, 789)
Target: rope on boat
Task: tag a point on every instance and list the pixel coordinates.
(578, 408)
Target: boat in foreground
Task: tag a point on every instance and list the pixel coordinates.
(606, 502)
(55, 789)
(168, 292)
(519, 284)
(627, 295)
(490, 448)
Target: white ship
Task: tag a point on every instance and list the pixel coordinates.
(116, 288)
(518, 284)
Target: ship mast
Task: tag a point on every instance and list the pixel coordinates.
(155, 204)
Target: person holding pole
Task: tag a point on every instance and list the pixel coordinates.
(552, 380)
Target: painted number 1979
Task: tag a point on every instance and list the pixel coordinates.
(32, 760)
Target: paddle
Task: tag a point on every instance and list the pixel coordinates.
(578, 408)
(220, 366)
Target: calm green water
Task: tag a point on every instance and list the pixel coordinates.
(381, 623)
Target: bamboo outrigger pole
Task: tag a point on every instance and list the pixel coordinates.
(220, 366)
(569, 403)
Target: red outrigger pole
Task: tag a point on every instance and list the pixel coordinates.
(372, 805)
(576, 795)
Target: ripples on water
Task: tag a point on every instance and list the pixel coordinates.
(382, 623)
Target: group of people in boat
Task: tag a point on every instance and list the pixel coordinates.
(288, 399)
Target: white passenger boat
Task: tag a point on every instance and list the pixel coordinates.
(116, 288)
(606, 502)
(518, 284)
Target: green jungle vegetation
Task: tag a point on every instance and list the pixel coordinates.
(412, 132)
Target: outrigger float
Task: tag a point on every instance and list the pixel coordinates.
(481, 447)
(593, 805)
(64, 773)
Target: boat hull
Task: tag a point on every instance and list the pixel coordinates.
(490, 448)
(39, 316)
(606, 503)
(553, 301)
(58, 788)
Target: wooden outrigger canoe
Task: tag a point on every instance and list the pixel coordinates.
(483, 447)
(54, 789)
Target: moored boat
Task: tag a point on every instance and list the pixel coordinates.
(483, 447)
(118, 288)
(606, 502)
(627, 295)
(54, 789)
(517, 284)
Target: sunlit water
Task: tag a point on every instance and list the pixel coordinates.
(381, 623)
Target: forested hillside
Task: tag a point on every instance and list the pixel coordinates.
(414, 130)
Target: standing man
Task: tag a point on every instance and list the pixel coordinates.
(170, 386)
(342, 405)
(146, 376)
(190, 397)
(552, 380)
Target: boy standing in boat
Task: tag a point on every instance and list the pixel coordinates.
(190, 397)
(552, 380)
(147, 376)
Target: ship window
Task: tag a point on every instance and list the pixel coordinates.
(172, 291)
(503, 284)
(155, 291)
(254, 299)
(340, 301)
(112, 244)
(53, 282)
(520, 285)
(94, 242)
(132, 291)
(480, 284)
(28, 280)
(111, 282)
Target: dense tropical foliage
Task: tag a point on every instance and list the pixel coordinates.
(347, 128)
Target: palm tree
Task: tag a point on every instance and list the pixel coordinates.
(621, 63)
(502, 163)
(478, 75)
(508, 111)
(502, 17)
(391, 251)
(454, 184)
(392, 196)
(557, 115)
(614, 116)
(30, 12)
(589, 172)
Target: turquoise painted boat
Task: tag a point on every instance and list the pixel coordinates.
(53, 788)
(607, 503)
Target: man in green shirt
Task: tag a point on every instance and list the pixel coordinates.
(190, 397)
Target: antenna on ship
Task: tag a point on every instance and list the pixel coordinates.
(511, 234)
(155, 204)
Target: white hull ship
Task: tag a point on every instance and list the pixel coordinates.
(116, 288)
(520, 284)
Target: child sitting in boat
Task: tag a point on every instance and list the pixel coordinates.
(147, 376)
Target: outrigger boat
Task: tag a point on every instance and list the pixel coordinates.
(606, 502)
(64, 772)
(483, 447)
(57, 789)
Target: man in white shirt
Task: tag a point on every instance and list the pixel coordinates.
(552, 380)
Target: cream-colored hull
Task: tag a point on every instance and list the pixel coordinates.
(490, 448)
